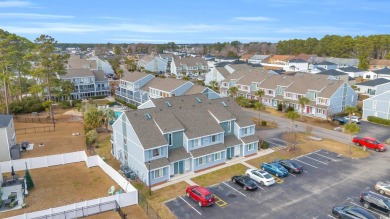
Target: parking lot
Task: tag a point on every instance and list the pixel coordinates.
(328, 180)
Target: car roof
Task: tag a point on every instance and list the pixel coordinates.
(203, 190)
(262, 172)
(370, 138)
(362, 212)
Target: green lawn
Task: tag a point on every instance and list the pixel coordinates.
(220, 175)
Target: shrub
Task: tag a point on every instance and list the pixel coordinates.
(290, 109)
(264, 145)
(280, 107)
(75, 102)
(27, 105)
(98, 97)
(111, 104)
(263, 123)
(131, 106)
(64, 104)
(378, 120)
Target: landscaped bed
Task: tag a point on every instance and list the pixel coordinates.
(62, 185)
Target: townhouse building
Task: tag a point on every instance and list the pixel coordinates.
(153, 64)
(378, 73)
(182, 134)
(326, 94)
(190, 66)
(7, 136)
(373, 87)
(377, 105)
(138, 88)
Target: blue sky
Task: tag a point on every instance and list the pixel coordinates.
(192, 21)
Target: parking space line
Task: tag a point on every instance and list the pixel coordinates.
(234, 189)
(277, 179)
(218, 201)
(367, 209)
(305, 163)
(190, 205)
(292, 174)
(324, 156)
(279, 140)
(258, 185)
(331, 216)
(305, 171)
(316, 160)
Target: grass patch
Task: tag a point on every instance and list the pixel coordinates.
(270, 124)
(159, 197)
(306, 146)
(104, 150)
(217, 176)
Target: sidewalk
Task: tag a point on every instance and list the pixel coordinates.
(187, 177)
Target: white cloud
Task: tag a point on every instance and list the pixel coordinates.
(15, 4)
(258, 18)
(33, 16)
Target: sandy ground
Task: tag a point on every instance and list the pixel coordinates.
(61, 185)
(133, 212)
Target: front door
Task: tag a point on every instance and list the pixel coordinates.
(228, 153)
(308, 109)
(181, 167)
(176, 168)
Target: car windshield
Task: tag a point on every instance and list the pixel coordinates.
(376, 142)
(209, 197)
(267, 176)
(387, 202)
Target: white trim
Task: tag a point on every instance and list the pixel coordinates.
(179, 130)
(220, 156)
(207, 135)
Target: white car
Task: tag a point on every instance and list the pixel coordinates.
(260, 176)
(355, 119)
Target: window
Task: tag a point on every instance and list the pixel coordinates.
(288, 94)
(217, 156)
(201, 161)
(170, 139)
(251, 147)
(213, 138)
(124, 140)
(197, 142)
(229, 128)
(352, 99)
(244, 131)
(158, 173)
(156, 152)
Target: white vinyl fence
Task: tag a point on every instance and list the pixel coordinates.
(127, 198)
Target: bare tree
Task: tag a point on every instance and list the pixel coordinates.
(291, 138)
(308, 130)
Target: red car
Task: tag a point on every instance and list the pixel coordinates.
(370, 143)
(201, 195)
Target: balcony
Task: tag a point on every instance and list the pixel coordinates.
(87, 90)
(102, 88)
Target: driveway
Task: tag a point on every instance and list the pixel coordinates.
(380, 132)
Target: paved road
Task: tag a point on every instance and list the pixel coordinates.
(285, 124)
(380, 132)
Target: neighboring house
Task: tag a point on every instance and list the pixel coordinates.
(280, 59)
(373, 87)
(130, 86)
(87, 82)
(257, 59)
(220, 59)
(338, 75)
(378, 106)
(353, 72)
(189, 66)
(166, 87)
(296, 65)
(81, 62)
(217, 74)
(379, 64)
(245, 57)
(340, 62)
(153, 64)
(181, 135)
(7, 137)
(380, 73)
(323, 65)
(103, 65)
(168, 58)
(326, 95)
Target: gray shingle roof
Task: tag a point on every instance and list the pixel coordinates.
(249, 139)
(134, 76)
(190, 61)
(81, 63)
(223, 71)
(297, 61)
(325, 63)
(207, 150)
(221, 113)
(196, 89)
(167, 122)
(383, 71)
(375, 82)
(231, 140)
(351, 69)
(158, 163)
(178, 154)
(5, 120)
(99, 75)
(78, 73)
(164, 84)
(332, 72)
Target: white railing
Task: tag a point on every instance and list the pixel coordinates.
(127, 198)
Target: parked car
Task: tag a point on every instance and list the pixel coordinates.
(370, 143)
(383, 188)
(201, 195)
(351, 212)
(291, 166)
(376, 201)
(274, 168)
(355, 119)
(245, 182)
(260, 176)
(340, 119)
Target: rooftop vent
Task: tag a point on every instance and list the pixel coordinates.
(223, 104)
(148, 116)
(168, 104)
(198, 100)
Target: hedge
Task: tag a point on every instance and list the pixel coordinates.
(27, 105)
(378, 120)
(131, 106)
(264, 145)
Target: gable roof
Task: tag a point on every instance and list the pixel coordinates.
(383, 71)
(297, 61)
(196, 89)
(134, 76)
(191, 61)
(99, 75)
(350, 69)
(253, 75)
(373, 83)
(304, 82)
(332, 72)
(325, 63)
(164, 84)
(78, 63)
(5, 120)
(282, 57)
(259, 57)
(330, 88)
(78, 73)
(380, 62)
(222, 71)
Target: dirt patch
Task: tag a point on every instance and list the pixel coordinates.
(134, 211)
(61, 185)
(57, 142)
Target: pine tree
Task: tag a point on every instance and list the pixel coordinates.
(30, 183)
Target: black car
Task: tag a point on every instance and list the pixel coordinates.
(245, 182)
(375, 201)
(291, 166)
(348, 212)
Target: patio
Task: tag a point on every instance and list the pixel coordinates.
(14, 189)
